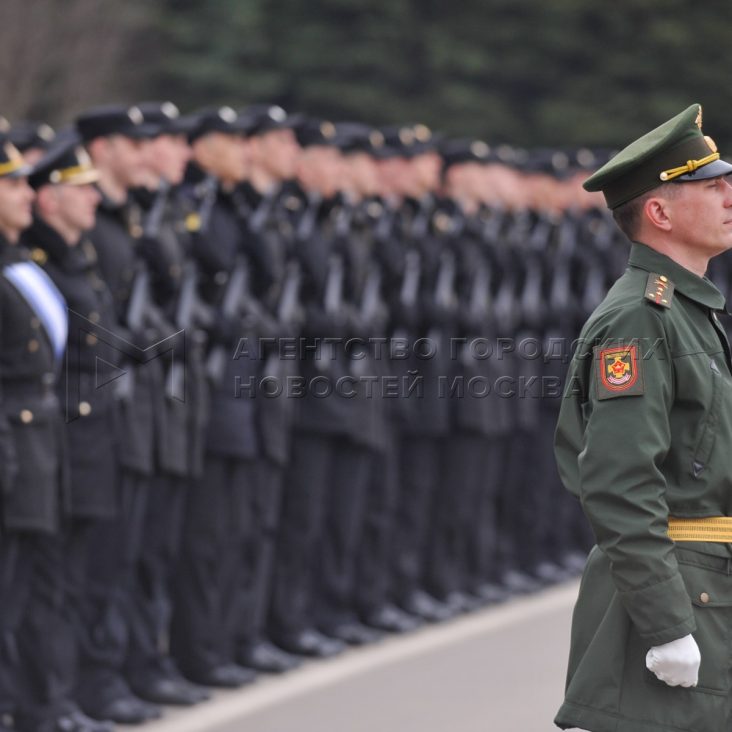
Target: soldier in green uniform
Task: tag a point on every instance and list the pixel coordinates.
(643, 439)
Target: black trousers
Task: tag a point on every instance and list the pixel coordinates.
(420, 458)
(374, 558)
(527, 500)
(259, 554)
(152, 595)
(343, 530)
(211, 584)
(483, 560)
(454, 514)
(300, 532)
(11, 606)
(40, 622)
(109, 615)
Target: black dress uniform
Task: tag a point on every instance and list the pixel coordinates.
(36, 649)
(375, 590)
(348, 484)
(139, 425)
(274, 223)
(456, 526)
(208, 604)
(423, 420)
(157, 222)
(320, 424)
(37, 659)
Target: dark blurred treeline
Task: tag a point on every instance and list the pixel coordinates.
(529, 72)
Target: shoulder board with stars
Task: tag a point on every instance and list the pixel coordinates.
(659, 290)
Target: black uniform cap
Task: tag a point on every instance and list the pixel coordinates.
(312, 132)
(264, 118)
(12, 164)
(165, 118)
(549, 161)
(113, 119)
(27, 134)
(218, 119)
(67, 162)
(354, 137)
(457, 151)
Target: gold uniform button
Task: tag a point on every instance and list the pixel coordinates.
(26, 416)
(35, 323)
(91, 339)
(94, 316)
(33, 345)
(704, 597)
(84, 409)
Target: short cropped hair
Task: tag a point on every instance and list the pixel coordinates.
(628, 215)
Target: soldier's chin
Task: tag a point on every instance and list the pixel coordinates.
(25, 218)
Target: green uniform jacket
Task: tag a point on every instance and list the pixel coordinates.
(644, 433)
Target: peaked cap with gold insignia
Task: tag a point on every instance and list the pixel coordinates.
(676, 151)
(65, 162)
(12, 163)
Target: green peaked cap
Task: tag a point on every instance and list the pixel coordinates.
(675, 151)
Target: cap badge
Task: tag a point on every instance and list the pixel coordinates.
(277, 114)
(227, 114)
(328, 130)
(376, 139)
(135, 115)
(170, 110)
(422, 132)
(480, 149)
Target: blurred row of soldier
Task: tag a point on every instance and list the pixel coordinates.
(169, 524)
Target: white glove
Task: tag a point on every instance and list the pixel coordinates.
(675, 663)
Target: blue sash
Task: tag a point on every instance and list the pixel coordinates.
(45, 300)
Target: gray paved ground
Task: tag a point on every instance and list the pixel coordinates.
(501, 670)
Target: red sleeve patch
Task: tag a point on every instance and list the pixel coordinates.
(618, 371)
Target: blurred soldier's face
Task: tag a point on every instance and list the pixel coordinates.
(320, 168)
(364, 173)
(502, 186)
(224, 155)
(577, 197)
(426, 167)
(277, 152)
(392, 173)
(408, 178)
(16, 198)
(540, 192)
(75, 206)
(126, 158)
(463, 182)
(168, 156)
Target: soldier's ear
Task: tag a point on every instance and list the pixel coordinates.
(656, 212)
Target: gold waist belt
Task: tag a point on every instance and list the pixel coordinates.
(713, 528)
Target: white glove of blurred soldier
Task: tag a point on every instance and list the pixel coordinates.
(675, 663)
